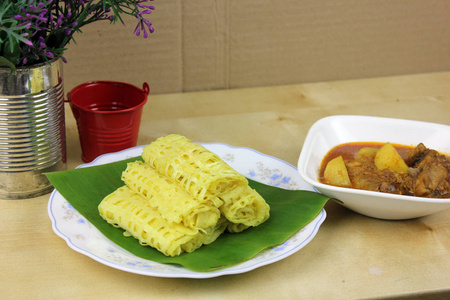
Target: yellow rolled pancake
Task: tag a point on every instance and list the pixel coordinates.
(173, 202)
(243, 205)
(236, 227)
(198, 170)
(208, 236)
(130, 211)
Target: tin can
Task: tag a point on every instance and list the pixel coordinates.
(32, 129)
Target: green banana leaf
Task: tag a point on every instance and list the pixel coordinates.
(290, 210)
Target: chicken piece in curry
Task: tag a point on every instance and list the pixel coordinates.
(390, 168)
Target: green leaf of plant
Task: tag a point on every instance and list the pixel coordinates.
(11, 51)
(290, 210)
(4, 62)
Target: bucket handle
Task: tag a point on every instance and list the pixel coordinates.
(68, 99)
(146, 88)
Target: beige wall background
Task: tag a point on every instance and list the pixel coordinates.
(206, 44)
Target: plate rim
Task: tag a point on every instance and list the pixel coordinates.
(184, 272)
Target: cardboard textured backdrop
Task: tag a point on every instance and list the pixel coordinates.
(205, 44)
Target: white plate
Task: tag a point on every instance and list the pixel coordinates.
(83, 237)
(334, 130)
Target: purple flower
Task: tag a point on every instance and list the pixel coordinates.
(141, 26)
(41, 30)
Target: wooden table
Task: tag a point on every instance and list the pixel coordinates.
(352, 256)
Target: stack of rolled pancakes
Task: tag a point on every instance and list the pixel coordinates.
(182, 197)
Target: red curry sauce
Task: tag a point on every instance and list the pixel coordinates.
(428, 172)
(349, 150)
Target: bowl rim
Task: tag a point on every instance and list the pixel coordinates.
(302, 163)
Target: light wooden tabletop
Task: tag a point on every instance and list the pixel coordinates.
(352, 256)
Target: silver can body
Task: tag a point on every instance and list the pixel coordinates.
(32, 129)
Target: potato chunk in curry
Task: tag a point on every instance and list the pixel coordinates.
(388, 158)
(369, 152)
(336, 173)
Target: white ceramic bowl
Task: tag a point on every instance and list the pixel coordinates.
(334, 130)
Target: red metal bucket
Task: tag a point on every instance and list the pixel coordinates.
(108, 115)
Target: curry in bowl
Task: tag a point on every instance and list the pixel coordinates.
(390, 168)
